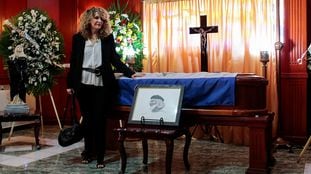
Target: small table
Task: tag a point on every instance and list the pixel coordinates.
(23, 117)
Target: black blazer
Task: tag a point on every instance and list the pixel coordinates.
(109, 58)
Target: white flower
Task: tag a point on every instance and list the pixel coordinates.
(28, 17)
(117, 20)
(43, 18)
(33, 13)
(124, 15)
(42, 35)
(112, 12)
(47, 28)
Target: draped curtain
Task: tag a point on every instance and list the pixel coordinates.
(245, 27)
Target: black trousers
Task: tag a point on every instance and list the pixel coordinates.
(95, 103)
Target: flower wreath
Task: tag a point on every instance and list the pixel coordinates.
(128, 35)
(34, 35)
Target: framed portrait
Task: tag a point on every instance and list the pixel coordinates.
(156, 105)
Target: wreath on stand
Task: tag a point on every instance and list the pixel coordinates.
(128, 35)
(33, 36)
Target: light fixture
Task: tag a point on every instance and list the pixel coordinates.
(264, 59)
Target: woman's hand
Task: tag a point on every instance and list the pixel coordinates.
(137, 75)
(70, 91)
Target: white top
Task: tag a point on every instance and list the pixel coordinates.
(92, 59)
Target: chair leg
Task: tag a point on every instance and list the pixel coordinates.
(37, 132)
(122, 153)
(169, 155)
(145, 150)
(186, 149)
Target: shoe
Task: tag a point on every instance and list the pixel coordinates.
(86, 159)
(100, 165)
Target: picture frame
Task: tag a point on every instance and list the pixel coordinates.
(157, 105)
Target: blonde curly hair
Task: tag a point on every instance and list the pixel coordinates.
(85, 22)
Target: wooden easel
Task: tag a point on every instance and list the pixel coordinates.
(54, 107)
(304, 149)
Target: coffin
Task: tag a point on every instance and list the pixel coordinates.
(248, 110)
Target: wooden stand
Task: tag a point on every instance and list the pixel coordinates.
(156, 132)
(304, 149)
(168, 135)
(54, 107)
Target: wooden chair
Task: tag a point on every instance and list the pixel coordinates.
(168, 134)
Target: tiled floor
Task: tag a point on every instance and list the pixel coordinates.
(27, 152)
(205, 157)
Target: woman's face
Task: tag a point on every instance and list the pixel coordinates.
(97, 22)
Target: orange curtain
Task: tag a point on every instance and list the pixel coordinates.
(245, 27)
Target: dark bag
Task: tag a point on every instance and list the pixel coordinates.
(73, 134)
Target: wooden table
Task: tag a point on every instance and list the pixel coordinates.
(23, 117)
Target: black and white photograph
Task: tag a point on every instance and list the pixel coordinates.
(156, 104)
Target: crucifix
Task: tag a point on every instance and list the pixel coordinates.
(203, 30)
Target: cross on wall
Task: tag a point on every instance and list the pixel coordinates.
(203, 30)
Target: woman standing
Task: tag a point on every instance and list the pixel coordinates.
(92, 79)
